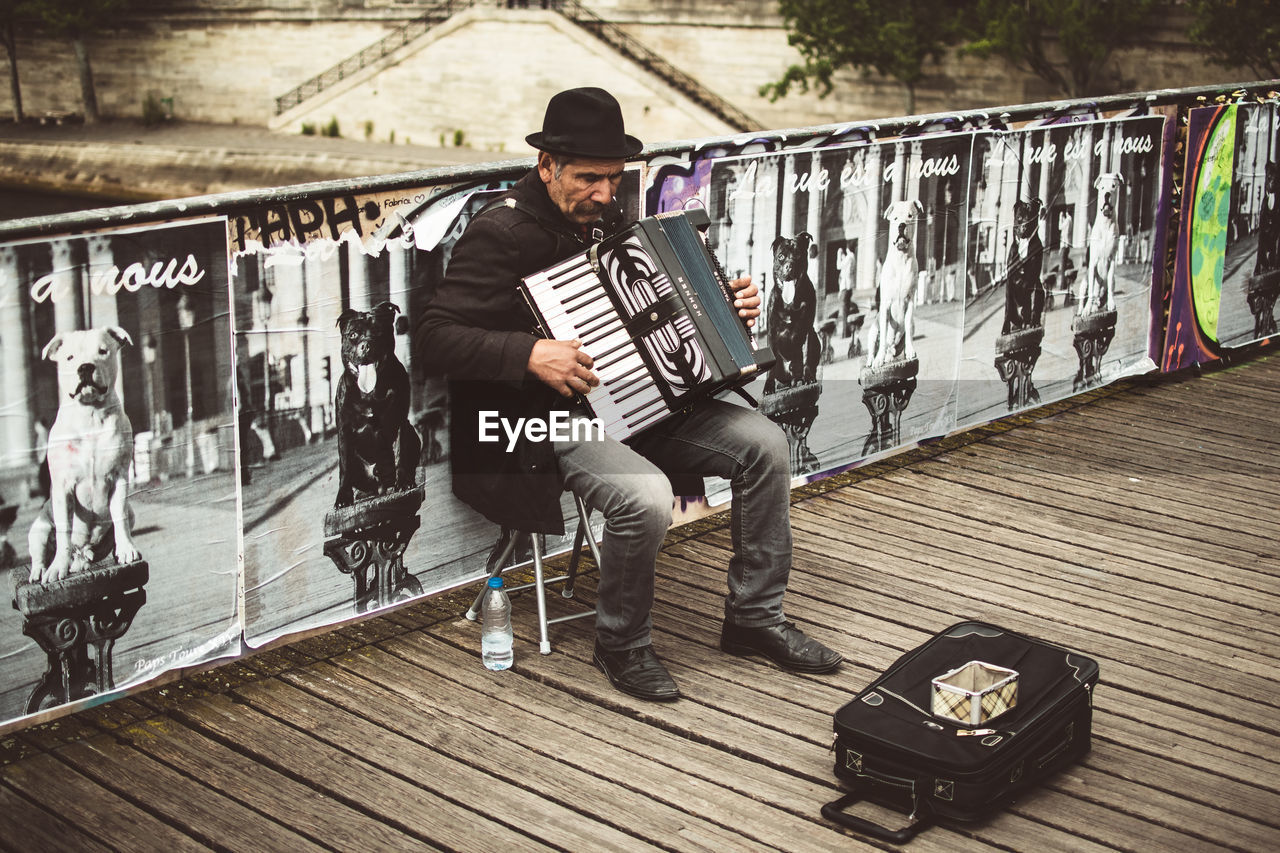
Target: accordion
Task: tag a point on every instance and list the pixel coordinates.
(655, 312)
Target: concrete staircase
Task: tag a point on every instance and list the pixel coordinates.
(612, 35)
(384, 47)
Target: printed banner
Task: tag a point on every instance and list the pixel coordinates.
(322, 327)
(118, 528)
(832, 236)
(1065, 244)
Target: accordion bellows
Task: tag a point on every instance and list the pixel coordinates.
(653, 309)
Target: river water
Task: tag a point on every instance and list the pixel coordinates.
(20, 204)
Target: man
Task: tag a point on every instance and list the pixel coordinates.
(478, 330)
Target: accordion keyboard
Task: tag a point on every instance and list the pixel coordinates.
(574, 306)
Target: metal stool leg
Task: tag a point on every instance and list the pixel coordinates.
(501, 553)
(584, 530)
(544, 644)
(498, 556)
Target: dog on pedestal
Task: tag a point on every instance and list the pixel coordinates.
(894, 328)
(90, 452)
(378, 448)
(1268, 257)
(1099, 289)
(1024, 291)
(790, 311)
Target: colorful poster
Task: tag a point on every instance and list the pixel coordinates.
(118, 529)
(1227, 266)
(1251, 258)
(1065, 241)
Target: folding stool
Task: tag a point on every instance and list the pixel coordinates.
(505, 546)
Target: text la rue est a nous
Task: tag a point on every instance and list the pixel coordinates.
(110, 280)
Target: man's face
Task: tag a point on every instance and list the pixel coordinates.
(583, 187)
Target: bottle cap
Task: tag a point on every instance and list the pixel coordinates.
(495, 583)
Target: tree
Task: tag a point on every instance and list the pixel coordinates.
(891, 37)
(1067, 43)
(15, 15)
(1238, 33)
(75, 20)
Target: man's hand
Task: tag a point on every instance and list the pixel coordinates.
(746, 299)
(564, 366)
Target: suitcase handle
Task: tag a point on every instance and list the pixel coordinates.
(834, 812)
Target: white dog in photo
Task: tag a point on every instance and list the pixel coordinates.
(90, 452)
(1099, 288)
(894, 327)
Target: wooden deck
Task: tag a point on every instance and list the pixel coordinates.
(1138, 524)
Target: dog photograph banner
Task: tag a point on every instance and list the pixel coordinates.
(858, 251)
(1065, 242)
(342, 518)
(118, 528)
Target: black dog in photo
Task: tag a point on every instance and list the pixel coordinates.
(1268, 258)
(792, 305)
(1024, 291)
(378, 448)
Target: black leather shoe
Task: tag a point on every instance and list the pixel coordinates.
(638, 673)
(785, 644)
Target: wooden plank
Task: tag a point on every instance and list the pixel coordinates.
(650, 799)
(410, 803)
(1073, 441)
(97, 812)
(1136, 596)
(321, 818)
(1092, 538)
(1009, 828)
(1241, 752)
(1161, 494)
(180, 800)
(25, 825)
(924, 522)
(544, 796)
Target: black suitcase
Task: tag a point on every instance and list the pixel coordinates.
(892, 749)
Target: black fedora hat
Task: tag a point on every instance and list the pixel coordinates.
(585, 122)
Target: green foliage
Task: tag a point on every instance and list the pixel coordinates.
(1239, 33)
(331, 129)
(308, 128)
(893, 38)
(459, 138)
(368, 129)
(1066, 43)
(153, 111)
(75, 18)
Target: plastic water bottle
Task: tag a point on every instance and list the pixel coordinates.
(495, 627)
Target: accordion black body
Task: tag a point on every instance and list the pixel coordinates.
(654, 310)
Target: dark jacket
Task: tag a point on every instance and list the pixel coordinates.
(479, 331)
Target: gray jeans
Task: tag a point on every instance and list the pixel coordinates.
(627, 485)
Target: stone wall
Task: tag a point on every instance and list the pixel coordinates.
(487, 72)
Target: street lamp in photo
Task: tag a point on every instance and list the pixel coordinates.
(149, 360)
(187, 319)
(262, 298)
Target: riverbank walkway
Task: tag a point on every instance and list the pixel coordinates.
(1137, 523)
(125, 161)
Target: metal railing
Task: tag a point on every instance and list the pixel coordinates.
(375, 52)
(619, 40)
